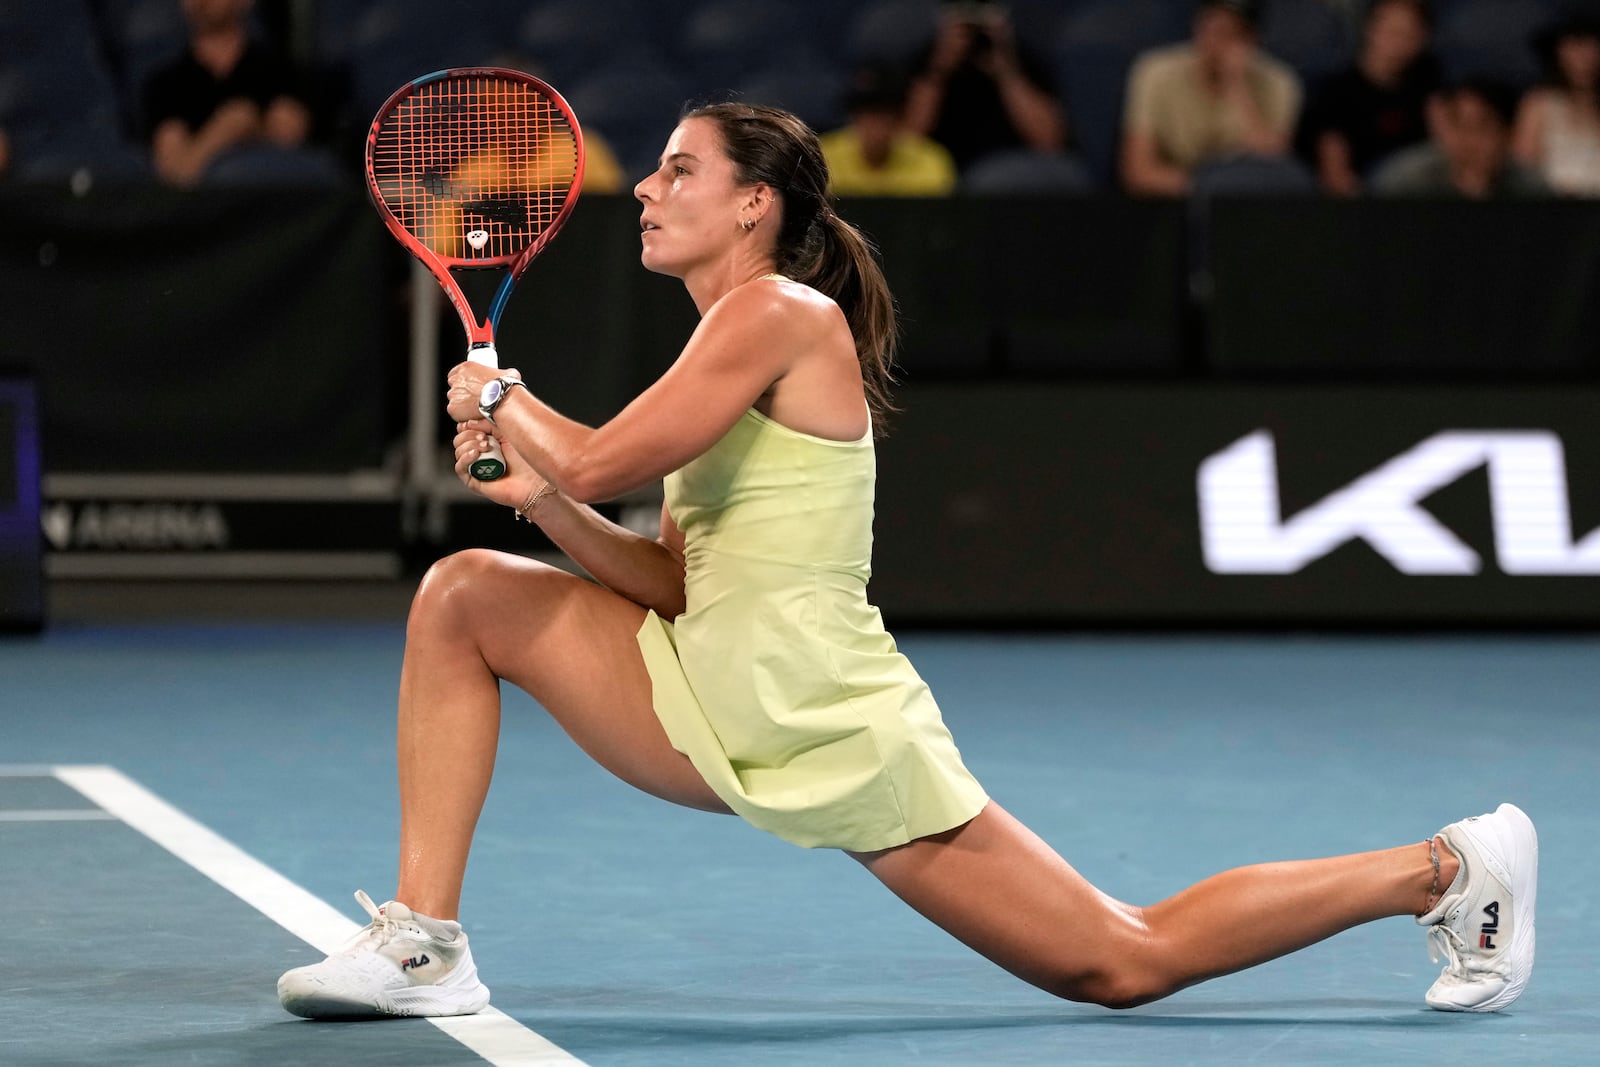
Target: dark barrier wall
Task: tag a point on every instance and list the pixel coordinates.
(1405, 289)
(200, 332)
(1243, 504)
(1380, 411)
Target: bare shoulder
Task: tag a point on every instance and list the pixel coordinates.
(781, 303)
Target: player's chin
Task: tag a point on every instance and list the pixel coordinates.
(657, 265)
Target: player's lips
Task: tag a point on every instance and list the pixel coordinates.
(646, 225)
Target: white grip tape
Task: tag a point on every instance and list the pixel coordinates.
(491, 462)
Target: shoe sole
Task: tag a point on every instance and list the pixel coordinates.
(421, 1002)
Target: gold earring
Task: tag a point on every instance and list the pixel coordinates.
(747, 224)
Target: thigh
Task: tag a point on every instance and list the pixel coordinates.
(999, 889)
(571, 645)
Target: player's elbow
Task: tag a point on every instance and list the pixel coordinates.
(588, 483)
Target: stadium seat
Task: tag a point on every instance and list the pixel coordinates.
(1491, 37)
(388, 42)
(1025, 173)
(803, 83)
(271, 166)
(573, 38)
(891, 29)
(58, 102)
(1095, 44)
(141, 36)
(635, 98)
(1315, 37)
(724, 41)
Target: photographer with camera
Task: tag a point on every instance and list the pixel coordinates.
(977, 91)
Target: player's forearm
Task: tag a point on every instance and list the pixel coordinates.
(634, 566)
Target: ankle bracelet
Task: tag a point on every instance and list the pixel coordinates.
(1433, 854)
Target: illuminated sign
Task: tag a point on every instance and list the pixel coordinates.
(1243, 530)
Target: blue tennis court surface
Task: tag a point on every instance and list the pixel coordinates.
(147, 766)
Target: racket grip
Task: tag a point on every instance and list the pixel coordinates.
(490, 464)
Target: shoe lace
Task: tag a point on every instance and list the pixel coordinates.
(381, 930)
(1444, 942)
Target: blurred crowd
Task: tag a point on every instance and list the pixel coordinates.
(1162, 98)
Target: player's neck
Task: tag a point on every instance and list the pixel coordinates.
(716, 280)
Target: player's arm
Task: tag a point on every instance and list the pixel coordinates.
(745, 343)
(647, 572)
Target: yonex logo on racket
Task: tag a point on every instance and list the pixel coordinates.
(1243, 529)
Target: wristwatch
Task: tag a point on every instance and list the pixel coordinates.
(494, 394)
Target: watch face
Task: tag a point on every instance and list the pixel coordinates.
(491, 393)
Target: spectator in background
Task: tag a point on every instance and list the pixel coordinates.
(1558, 125)
(875, 154)
(1214, 97)
(225, 91)
(977, 91)
(1378, 104)
(1469, 154)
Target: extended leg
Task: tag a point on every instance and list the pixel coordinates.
(994, 885)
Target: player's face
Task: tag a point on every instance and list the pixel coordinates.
(691, 204)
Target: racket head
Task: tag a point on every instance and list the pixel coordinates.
(475, 167)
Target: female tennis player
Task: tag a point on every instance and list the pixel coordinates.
(734, 664)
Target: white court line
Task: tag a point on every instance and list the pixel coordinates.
(57, 815)
(491, 1033)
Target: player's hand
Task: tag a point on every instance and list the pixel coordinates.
(466, 381)
(472, 440)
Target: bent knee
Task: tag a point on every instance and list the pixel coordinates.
(463, 583)
(1112, 987)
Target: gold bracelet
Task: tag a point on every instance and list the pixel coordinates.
(533, 500)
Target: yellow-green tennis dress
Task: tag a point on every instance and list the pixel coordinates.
(779, 681)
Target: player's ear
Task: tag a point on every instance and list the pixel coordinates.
(758, 202)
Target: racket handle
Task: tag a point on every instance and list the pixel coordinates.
(491, 462)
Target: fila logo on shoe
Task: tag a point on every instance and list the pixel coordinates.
(423, 961)
(1489, 929)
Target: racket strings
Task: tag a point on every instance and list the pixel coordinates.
(475, 167)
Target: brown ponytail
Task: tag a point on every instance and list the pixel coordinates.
(815, 246)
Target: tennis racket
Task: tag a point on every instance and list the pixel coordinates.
(475, 168)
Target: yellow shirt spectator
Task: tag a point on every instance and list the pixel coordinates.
(910, 165)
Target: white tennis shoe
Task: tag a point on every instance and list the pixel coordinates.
(1484, 923)
(398, 964)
